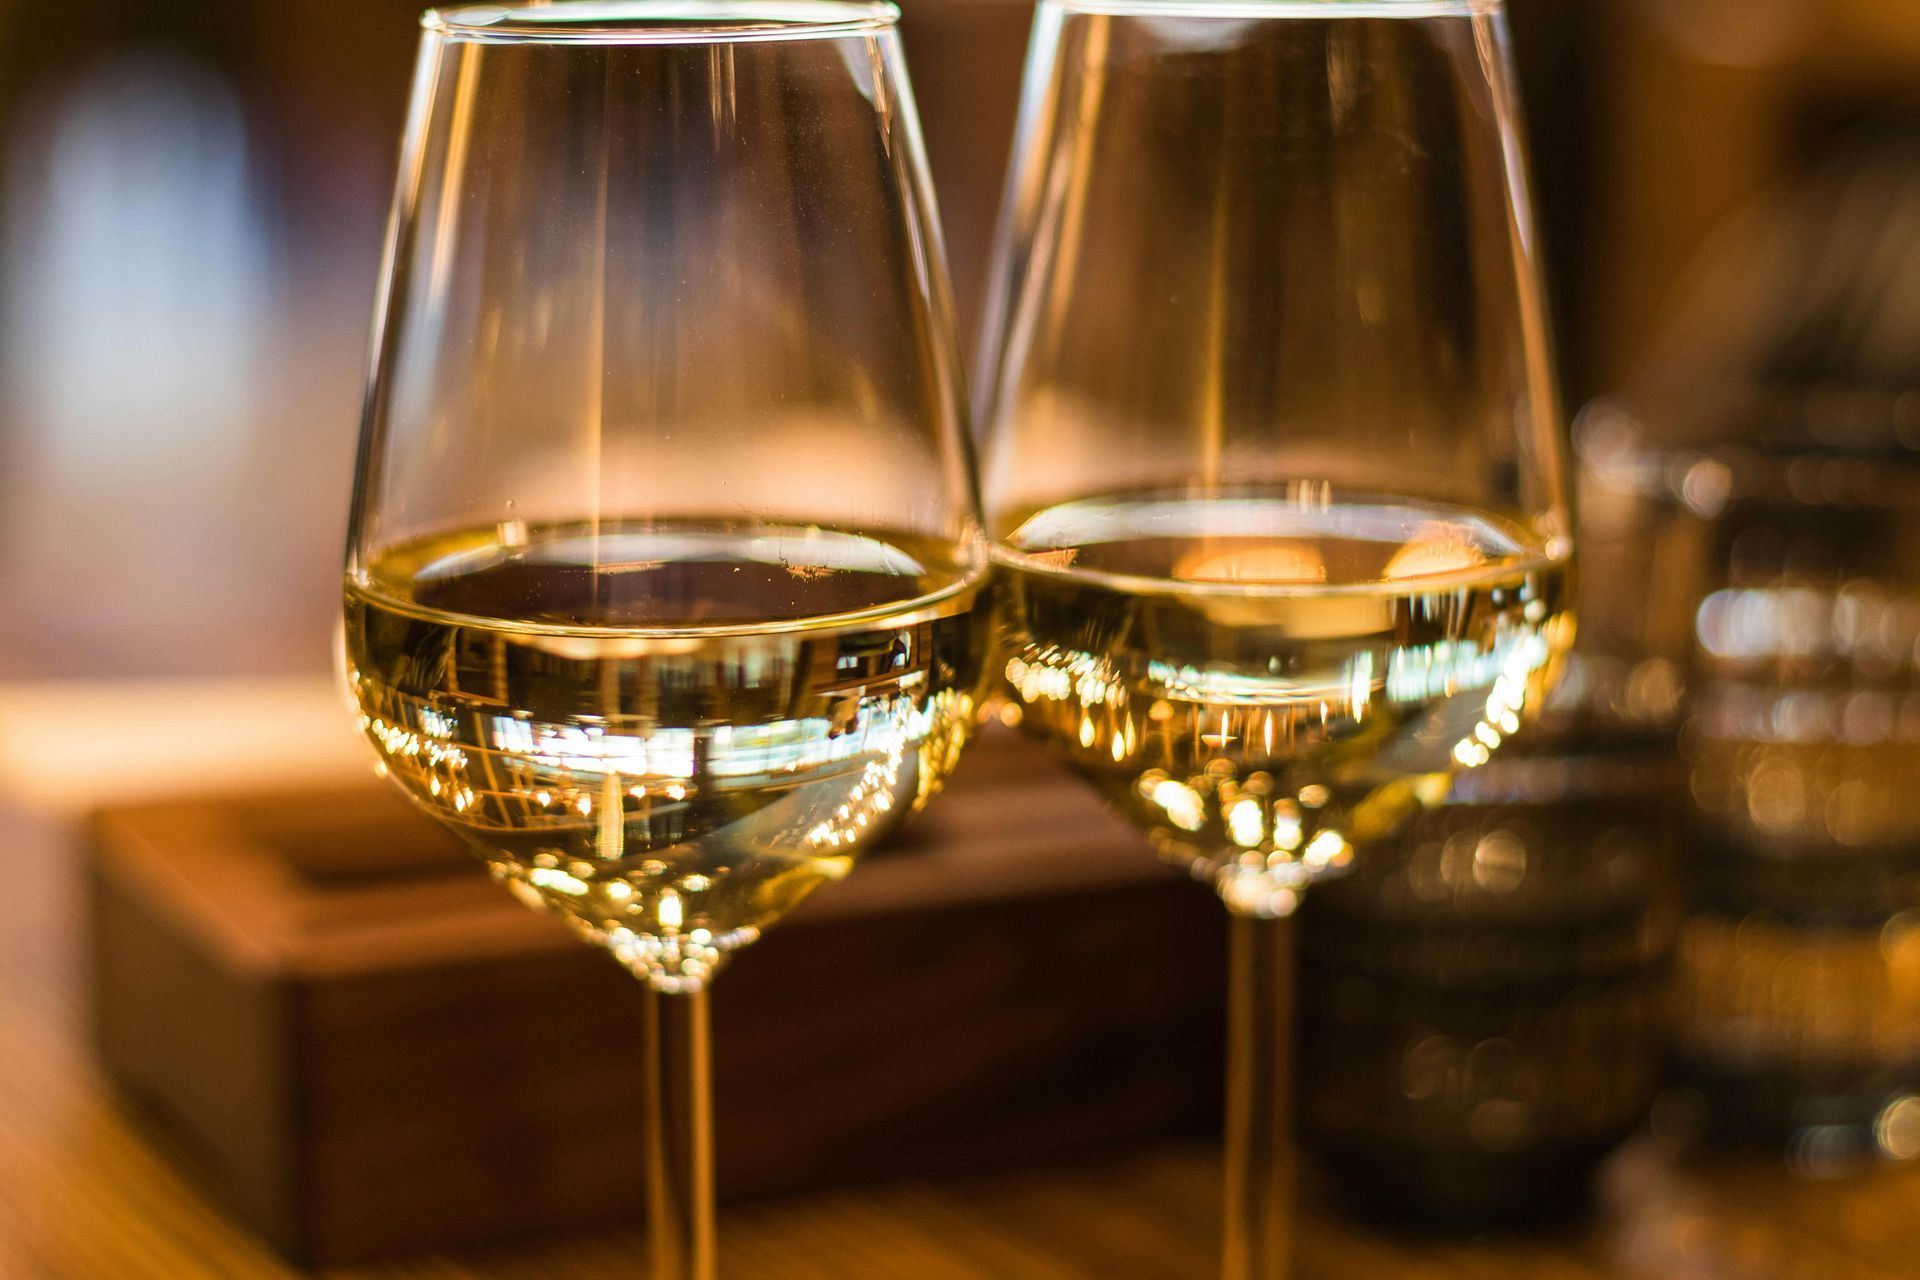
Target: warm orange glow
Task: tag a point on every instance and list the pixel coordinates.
(1432, 555)
(1274, 563)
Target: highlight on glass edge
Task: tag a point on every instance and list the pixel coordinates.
(666, 589)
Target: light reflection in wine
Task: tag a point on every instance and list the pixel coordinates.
(620, 779)
(1211, 743)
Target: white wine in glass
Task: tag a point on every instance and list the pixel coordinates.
(669, 748)
(1254, 679)
(666, 586)
(1275, 463)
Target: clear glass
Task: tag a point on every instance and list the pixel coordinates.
(666, 584)
(1275, 466)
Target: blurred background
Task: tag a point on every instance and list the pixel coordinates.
(192, 199)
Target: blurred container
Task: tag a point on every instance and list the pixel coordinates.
(1797, 993)
(1786, 404)
(1480, 999)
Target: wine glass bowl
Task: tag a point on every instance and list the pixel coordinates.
(1274, 456)
(1262, 680)
(664, 580)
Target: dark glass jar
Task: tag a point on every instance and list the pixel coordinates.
(1797, 982)
(1480, 998)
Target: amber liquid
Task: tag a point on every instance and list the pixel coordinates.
(1260, 681)
(668, 734)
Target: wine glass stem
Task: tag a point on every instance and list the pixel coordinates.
(679, 1105)
(1259, 1139)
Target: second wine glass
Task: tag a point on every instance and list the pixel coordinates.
(1275, 463)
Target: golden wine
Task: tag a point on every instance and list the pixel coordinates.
(670, 733)
(1259, 680)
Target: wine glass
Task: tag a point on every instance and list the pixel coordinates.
(1275, 466)
(666, 585)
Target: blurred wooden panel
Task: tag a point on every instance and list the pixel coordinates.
(367, 1048)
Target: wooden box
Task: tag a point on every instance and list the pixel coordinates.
(366, 1048)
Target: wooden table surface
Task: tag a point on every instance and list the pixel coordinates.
(86, 1195)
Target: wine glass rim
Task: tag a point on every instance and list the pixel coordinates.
(660, 21)
(1243, 10)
